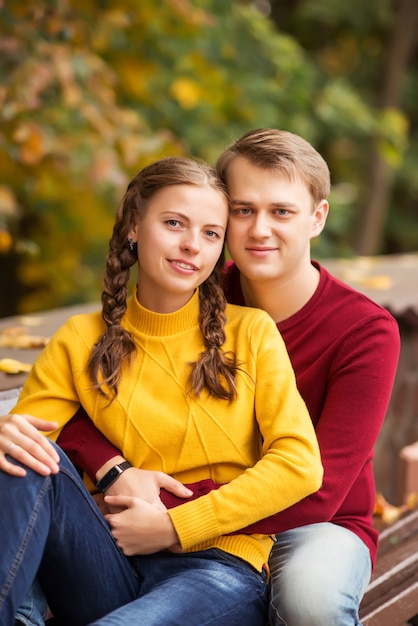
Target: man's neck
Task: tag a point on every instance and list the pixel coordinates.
(281, 297)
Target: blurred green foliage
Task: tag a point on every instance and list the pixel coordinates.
(92, 91)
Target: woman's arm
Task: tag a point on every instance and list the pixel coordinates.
(48, 399)
(276, 393)
(289, 468)
(90, 450)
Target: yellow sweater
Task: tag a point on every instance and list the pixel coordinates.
(262, 445)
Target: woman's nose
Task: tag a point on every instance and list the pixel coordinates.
(190, 242)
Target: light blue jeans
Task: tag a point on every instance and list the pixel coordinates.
(319, 574)
(51, 528)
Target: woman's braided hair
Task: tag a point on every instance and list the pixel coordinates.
(214, 369)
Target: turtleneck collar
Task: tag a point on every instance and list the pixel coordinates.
(162, 324)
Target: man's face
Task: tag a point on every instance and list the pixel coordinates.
(271, 222)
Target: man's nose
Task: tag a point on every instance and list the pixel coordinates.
(260, 226)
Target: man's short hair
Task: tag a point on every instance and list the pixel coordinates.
(283, 153)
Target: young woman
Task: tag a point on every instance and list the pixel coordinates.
(181, 383)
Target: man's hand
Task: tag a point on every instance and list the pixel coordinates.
(21, 439)
(140, 527)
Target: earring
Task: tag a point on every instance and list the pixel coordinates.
(131, 244)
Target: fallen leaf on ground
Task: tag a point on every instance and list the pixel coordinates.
(389, 513)
(11, 366)
(16, 337)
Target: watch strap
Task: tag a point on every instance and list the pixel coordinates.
(110, 476)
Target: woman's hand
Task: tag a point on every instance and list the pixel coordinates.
(146, 484)
(140, 527)
(21, 438)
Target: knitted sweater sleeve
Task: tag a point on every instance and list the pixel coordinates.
(85, 445)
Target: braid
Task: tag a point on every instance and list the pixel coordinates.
(115, 345)
(214, 369)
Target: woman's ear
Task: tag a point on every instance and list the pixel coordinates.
(132, 234)
(132, 239)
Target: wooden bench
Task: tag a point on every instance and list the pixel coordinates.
(391, 598)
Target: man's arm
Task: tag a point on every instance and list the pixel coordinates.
(356, 400)
(85, 445)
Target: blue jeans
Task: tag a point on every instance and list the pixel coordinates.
(319, 574)
(203, 588)
(51, 528)
(160, 597)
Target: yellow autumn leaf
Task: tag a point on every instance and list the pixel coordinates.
(12, 366)
(186, 92)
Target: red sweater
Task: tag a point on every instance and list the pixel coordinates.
(344, 349)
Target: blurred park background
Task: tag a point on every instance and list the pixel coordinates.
(92, 90)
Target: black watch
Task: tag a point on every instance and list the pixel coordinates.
(110, 476)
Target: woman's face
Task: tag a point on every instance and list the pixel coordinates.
(180, 239)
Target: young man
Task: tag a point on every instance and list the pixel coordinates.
(344, 349)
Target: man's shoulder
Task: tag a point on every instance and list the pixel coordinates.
(338, 295)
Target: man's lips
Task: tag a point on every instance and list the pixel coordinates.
(260, 250)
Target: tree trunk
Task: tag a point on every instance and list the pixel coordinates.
(402, 43)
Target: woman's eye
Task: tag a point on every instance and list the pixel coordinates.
(212, 234)
(173, 223)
